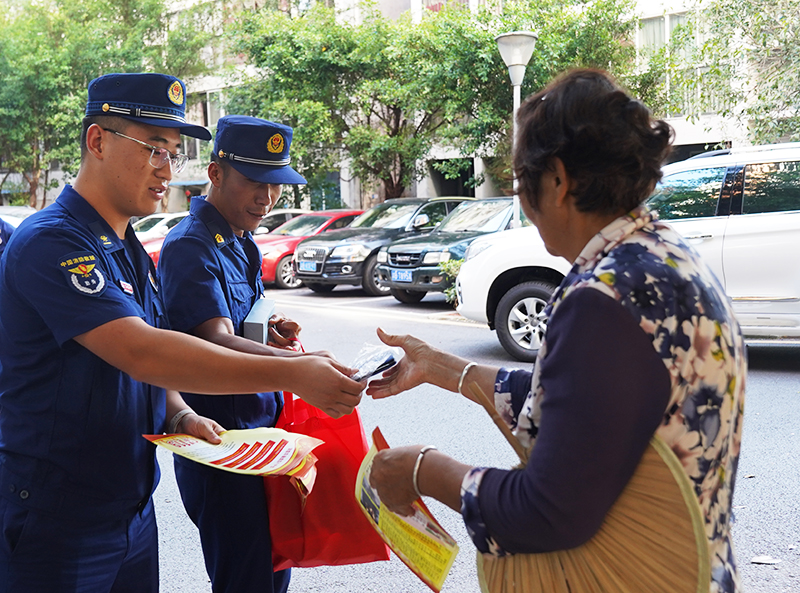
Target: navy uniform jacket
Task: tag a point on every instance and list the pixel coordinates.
(206, 271)
(71, 424)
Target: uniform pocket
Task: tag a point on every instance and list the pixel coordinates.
(242, 298)
(13, 519)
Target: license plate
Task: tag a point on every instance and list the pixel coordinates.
(307, 266)
(401, 275)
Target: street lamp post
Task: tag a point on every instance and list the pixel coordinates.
(516, 49)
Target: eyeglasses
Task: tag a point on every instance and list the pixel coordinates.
(159, 156)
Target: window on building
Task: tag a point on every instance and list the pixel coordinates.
(437, 5)
(652, 36)
(204, 109)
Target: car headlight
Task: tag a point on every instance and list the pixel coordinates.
(383, 256)
(436, 257)
(351, 252)
(475, 248)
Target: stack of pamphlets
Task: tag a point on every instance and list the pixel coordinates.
(255, 451)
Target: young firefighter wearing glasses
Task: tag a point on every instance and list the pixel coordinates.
(85, 371)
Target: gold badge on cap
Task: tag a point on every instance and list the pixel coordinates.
(275, 143)
(175, 93)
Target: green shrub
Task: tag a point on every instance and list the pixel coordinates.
(450, 270)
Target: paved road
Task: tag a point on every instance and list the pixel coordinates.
(767, 496)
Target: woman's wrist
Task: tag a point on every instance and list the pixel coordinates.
(463, 376)
(417, 464)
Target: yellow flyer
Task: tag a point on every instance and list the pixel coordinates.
(418, 540)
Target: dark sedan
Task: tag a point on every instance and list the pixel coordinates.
(410, 267)
(348, 256)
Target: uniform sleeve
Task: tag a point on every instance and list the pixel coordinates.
(64, 278)
(606, 390)
(190, 282)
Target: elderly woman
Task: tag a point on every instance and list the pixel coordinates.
(641, 340)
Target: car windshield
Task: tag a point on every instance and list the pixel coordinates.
(386, 216)
(488, 216)
(146, 223)
(301, 226)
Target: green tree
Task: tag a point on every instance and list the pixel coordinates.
(50, 50)
(383, 92)
(739, 58)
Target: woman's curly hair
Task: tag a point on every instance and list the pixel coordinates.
(611, 147)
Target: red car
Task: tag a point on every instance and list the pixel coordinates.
(278, 246)
(153, 248)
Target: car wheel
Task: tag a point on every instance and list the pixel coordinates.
(370, 282)
(284, 274)
(408, 296)
(321, 288)
(518, 319)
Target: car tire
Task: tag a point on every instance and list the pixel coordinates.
(320, 288)
(284, 274)
(369, 280)
(519, 328)
(408, 296)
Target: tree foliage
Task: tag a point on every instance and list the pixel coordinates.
(739, 58)
(384, 92)
(51, 49)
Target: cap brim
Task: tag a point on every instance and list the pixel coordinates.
(186, 129)
(263, 174)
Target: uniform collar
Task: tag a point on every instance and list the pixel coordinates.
(219, 228)
(85, 214)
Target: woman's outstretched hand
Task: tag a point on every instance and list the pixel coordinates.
(412, 370)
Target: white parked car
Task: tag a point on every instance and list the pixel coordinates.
(14, 215)
(506, 281)
(739, 208)
(157, 225)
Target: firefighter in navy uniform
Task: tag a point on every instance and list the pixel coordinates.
(210, 268)
(84, 366)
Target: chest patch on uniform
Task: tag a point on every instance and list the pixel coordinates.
(152, 281)
(127, 288)
(82, 270)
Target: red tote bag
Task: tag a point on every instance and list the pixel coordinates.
(331, 530)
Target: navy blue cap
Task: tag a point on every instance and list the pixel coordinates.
(256, 148)
(154, 99)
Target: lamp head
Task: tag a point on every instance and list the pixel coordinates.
(516, 47)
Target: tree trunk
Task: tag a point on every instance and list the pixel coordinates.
(298, 196)
(2, 183)
(33, 185)
(392, 189)
(44, 191)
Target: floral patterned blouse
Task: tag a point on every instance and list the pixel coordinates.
(636, 283)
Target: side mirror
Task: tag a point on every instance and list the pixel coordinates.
(421, 220)
(262, 230)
